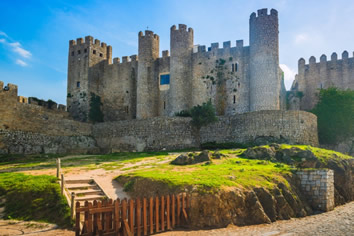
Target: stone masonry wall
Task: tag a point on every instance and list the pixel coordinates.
(295, 127)
(29, 128)
(318, 187)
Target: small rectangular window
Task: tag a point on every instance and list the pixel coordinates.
(78, 84)
(165, 79)
(78, 52)
(101, 55)
(85, 50)
(94, 51)
(72, 53)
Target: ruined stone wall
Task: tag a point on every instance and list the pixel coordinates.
(324, 74)
(318, 187)
(294, 127)
(30, 128)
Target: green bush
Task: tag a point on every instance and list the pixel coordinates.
(335, 112)
(203, 114)
(95, 113)
(34, 198)
(183, 113)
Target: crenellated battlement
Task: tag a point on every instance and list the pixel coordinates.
(182, 28)
(9, 89)
(148, 34)
(323, 59)
(264, 12)
(89, 40)
(215, 46)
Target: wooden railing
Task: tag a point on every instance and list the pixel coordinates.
(133, 217)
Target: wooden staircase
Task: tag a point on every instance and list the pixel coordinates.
(83, 190)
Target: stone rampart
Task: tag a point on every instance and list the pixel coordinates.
(294, 127)
(318, 187)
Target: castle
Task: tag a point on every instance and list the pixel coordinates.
(236, 79)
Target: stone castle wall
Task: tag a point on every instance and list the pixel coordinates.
(295, 127)
(311, 77)
(318, 187)
(29, 128)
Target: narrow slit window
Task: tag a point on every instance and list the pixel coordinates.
(127, 109)
(236, 67)
(85, 50)
(234, 99)
(78, 52)
(78, 84)
(164, 105)
(233, 67)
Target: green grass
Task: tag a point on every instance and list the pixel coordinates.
(34, 198)
(228, 172)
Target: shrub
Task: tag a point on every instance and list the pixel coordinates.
(335, 113)
(183, 113)
(203, 114)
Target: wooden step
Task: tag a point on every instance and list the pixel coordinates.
(90, 198)
(81, 186)
(79, 181)
(89, 192)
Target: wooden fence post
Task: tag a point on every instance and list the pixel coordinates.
(58, 167)
(72, 204)
(62, 184)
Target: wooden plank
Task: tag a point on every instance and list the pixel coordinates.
(124, 215)
(94, 218)
(99, 219)
(131, 215)
(86, 217)
(151, 215)
(127, 229)
(138, 216)
(178, 210)
(168, 216)
(116, 216)
(173, 210)
(157, 214)
(77, 221)
(89, 229)
(162, 213)
(145, 216)
(109, 216)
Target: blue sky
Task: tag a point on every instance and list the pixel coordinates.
(34, 35)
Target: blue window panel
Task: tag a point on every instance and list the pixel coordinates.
(164, 79)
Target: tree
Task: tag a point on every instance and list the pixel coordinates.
(335, 113)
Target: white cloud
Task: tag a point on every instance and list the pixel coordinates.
(289, 75)
(21, 63)
(301, 38)
(3, 34)
(16, 47)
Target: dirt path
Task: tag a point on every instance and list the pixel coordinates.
(338, 222)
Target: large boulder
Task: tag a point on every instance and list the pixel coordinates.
(192, 158)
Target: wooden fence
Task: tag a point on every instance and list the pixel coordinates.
(133, 217)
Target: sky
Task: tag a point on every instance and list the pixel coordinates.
(35, 34)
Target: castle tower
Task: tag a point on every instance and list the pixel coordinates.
(83, 78)
(265, 82)
(180, 69)
(146, 84)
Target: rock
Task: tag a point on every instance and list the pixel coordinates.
(217, 155)
(192, 158)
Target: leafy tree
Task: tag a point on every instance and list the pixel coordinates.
(95, 113)
(203, 114)
(335, 112)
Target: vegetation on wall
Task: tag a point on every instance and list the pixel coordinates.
(335, 112)
(201, 114)
(95, 113)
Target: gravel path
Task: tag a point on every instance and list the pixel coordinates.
(338, 222)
